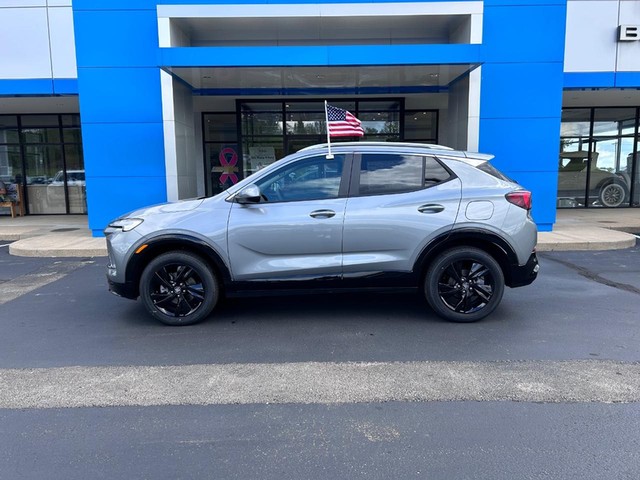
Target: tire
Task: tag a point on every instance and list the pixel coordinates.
(612, 195)
(464, 284)
(178, 288)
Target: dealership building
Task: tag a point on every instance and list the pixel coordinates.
(110, 105)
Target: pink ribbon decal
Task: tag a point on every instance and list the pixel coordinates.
(228, 160)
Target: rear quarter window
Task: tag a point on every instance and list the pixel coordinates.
(486, 167)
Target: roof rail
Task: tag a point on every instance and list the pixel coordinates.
(378, 144)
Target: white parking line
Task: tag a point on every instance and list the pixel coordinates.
(24, 284)
(321, 383)
(5, 245)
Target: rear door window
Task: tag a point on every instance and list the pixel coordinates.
(384, 174)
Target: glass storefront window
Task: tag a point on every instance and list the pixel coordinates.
(39, 120)
(597, 161)
(45, 179)
(70, 120)
(421, 125)
(576, 122)
(43, 153)
(220, 127)
(572, 172)
(614, 121)
(375, 123)
(76, 182)
(305, 123)
(261, 123)
(72, 135)
(633, 170)
(40, 135)
(258, 152)
(224, 166)
(9, 129)
(10, 164)
(609, 185)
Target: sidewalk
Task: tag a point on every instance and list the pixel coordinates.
(69, 235)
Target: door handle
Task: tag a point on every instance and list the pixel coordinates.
(430, 208)
(322, 214)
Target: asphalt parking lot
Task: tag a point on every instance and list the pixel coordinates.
(349, 386)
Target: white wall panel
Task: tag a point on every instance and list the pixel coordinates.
(63, 48)
(591, 36)
(24, 43)
(23, 3)
(629, 52)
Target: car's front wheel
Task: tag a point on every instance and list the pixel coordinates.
(464, 284)
(178, 288)
(612, 195)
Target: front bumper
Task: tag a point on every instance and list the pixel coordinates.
(126, 290)
(521, 275)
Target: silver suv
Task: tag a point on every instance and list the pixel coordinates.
(383, 215)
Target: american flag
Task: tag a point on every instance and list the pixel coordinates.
(342, 123)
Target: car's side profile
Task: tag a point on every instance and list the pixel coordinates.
(375, 215)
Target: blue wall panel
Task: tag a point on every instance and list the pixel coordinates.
(521, 95)
(138, 142)
(116, 38)
(119, 194)
(121, 111)
(521, 147)
(521, 90)
(525, 33)
(628, 79)
(589, 80)
(28, 86)
(575, 80)
(119, 95)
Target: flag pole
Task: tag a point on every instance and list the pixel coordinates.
(326, 117)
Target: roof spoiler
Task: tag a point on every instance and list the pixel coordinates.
(479, 156)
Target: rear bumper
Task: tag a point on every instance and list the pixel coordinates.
(521, 275)
(126, 290)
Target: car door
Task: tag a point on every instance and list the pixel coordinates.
(295, 231)
(397, 204)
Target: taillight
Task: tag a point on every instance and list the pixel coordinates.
(521, 198)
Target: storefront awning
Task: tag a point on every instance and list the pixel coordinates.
(309, 80)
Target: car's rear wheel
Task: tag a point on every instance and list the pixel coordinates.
(612, 195)
(464, 284)
(178, 288)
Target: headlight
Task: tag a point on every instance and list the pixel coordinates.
(126, 224)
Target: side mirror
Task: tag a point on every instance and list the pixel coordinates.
(249, 194)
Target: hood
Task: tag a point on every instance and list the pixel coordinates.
(173, 207)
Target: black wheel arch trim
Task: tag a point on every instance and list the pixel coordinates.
(172, 242)
(486, 240)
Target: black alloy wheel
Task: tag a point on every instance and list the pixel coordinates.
(464, 284)
(178, 288)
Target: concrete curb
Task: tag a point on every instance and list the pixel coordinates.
(581, 239)
(59, 245)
